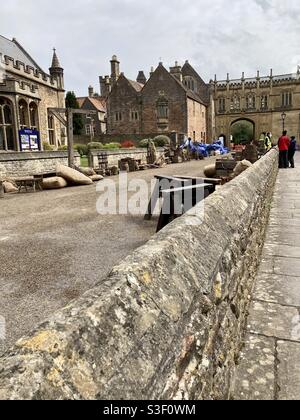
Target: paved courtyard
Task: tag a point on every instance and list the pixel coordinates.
(55, 246)
(270, 363)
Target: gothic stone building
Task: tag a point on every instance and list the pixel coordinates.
(265, 102)
(26, 93)
(170, 101)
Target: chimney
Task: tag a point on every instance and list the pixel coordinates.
(151, 71)
(177, 71)
(141, 78)
(115, 69)
(91, 92)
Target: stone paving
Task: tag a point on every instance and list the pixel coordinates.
(269, 367)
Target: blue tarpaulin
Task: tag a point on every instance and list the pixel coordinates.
(205, 149)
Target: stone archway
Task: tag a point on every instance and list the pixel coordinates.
(242, 130)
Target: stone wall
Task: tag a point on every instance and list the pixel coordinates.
(114, 156)
(22, 164)
(168, 322)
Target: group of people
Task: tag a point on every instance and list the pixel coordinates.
(287, 149)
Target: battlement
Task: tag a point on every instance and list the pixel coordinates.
(264, 81)
(11, 65)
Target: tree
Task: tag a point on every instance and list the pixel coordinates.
(243, 132)
(71, 102)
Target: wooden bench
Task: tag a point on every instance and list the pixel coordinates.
(157, 192)
(35, 182)
(178, 181)
(178, 201)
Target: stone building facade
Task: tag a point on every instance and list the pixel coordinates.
(169, 101)
(26, 93)
(269, 104)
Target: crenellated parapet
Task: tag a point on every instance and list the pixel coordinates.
(256, 82)
(16, 67)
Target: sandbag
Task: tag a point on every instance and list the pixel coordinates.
(9, 187)
(96, 178)
(85, 171)
(210, 171)
(241, 167)
(54, 183)
(72, 176)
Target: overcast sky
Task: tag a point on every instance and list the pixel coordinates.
(216, 36)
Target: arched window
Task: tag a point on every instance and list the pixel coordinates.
(23, 114)
(33, 112)
(7, 139)
(162, 110)
(235, 103)
(162, 106)
(250, 101)
(222, 104)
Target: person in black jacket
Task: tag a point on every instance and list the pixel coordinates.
(292, 151)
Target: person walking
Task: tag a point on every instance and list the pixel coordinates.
(283, 145)
(292, 151)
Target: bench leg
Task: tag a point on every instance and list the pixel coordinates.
(153, 201)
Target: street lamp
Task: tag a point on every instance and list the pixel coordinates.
(283, 118)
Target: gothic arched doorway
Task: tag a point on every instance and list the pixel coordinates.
(242, 131)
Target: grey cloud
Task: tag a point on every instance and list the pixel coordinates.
(217, 36)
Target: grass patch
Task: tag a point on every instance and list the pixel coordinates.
(84, 161)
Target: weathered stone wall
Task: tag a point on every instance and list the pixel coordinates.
(23, 164)
(114, 156)
(167, 322)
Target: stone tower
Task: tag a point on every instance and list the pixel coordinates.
(141, 78)
(57, 71)
(177, 71)
(115, 69)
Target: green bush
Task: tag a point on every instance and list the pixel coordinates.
(112, 146)
(82, 149)
(144, 143)
(63, 148)
(95, 146)
(162, 141)
(47, 147)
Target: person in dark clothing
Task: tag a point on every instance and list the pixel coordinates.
(283, 145)
(292, 151)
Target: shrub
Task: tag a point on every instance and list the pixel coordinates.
(144, 143)
(82, 149)
(162, 141)
(95, 146)
(127, 144)
(112, 146)
(63, 148)
(47, 147)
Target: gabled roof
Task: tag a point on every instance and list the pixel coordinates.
(136, 85)
(189, 93)
(187, 67)
(98, 103)
(13, 49)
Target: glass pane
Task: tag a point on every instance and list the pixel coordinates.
(7, 114)
(1, 138)
(10, 138)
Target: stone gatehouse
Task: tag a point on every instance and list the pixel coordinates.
(269, 103)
